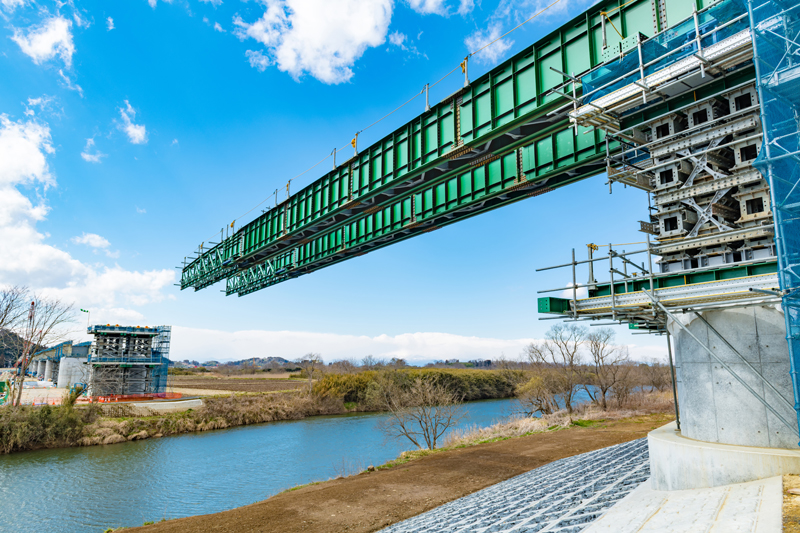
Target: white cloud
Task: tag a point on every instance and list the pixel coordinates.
(137, 133)
(43, 103)
(68, 83)
(465, 7)
(580, 292)
(29, 260)
(141, 210)
(110, 23)
(318, 37)
(494, 52)
(43, 42)
(204, 344)
(428, 6)
(154, 2)
(92, 240)
(10, 5)
(214, 3)
(90, 152)
(80, 21)
(398, 39)
(219, 28)
(258, 60)
(417, 347)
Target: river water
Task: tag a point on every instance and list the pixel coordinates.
(93, 488)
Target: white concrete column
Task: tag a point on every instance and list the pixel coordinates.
(48, 370)
(714, 406)
(40, 368)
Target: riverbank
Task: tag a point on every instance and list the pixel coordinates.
(32, 428)
(419, 482)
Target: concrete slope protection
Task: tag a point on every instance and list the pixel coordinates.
(563, 496)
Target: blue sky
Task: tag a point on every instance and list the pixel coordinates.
(132, 131)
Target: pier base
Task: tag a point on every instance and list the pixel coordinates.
(679, 463)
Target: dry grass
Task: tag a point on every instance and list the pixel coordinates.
(791, 504)
(216, 413)
(644, 403)
(236, 384)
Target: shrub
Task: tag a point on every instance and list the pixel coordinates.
(28, 428)
(469, 384)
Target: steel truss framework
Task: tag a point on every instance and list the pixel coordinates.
(501, 139)
(720, 224)
(128, 360)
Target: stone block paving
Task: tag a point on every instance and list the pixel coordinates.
(565, 496)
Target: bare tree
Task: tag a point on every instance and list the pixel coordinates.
(343, 366)
(12, 309)
(396, 363)
(311, 363)
(371, 362)
(12, 306)
(656, 375)
(539, 394)
(44, 324)
(608, 365)
(422, 413)
(561, 352)
(628, 380)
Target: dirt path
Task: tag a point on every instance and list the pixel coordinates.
(371, 501)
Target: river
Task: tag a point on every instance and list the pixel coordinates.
(93, 488)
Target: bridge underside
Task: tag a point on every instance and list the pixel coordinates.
(504, 137)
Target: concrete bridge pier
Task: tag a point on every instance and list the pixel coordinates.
(40, 364)
(727, 434)
(48, 370)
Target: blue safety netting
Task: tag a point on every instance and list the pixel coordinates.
(776, 44)
(678, 41)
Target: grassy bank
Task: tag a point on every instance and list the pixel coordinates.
(29, 428)
(641, 404)
(373, 500)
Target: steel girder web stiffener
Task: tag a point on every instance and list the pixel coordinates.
(513, 108)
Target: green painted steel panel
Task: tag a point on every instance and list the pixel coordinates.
(514, 90)
(677, 11)
(553, 305)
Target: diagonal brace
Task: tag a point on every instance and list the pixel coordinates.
(745, 361)
(720, 361)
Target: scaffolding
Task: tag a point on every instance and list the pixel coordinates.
(714, 142)
(775, 26)
(128, 360)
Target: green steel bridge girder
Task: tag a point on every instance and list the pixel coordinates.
(510, 105)
(461, 196)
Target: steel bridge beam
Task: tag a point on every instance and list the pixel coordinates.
(502, 138)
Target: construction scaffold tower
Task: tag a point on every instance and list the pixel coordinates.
(775, 27)
(714, 143)
(129, 360)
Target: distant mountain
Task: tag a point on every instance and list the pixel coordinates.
(11, 348)
(258, 361)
